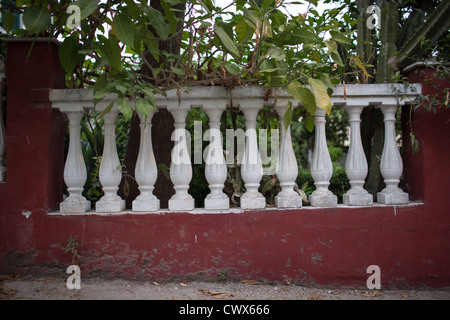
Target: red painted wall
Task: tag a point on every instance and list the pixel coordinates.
(35, 132)
(411, 244)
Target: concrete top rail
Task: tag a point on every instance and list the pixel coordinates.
(194, 97)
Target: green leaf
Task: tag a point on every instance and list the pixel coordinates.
(21, 3)
(240, 4)
(414, 143)
(143, 106)
(319, 90)
(36, 19)
(157, 21)
(132, 9)
(87, 7)
(124, 29)
(106, 110)
(165, 170)
(325, 77)
(174, 2)
(288, 116)
(339, 36)
(305, 36)
(124, 106)
(121, 88)
(68, 53)
(337, 58)
(170, 16)
(267, 66)
(226, 40)
(309, 123)
(99, 89)
(243, 30)
(303, 95)
(8, 21)
(232, 68)
(333, 48)
(277, 54)
(267, 28)
(150, 97)
(331, 45)
(177, 71)
(361, 66)
(112, 52)
(279, 76)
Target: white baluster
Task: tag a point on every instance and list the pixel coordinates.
(321, 165)
(2, 133)
(75, 173)
(215, 167)
(146, 171)
(391, 165)
(180, 167)
(110, 174)
(287, 168)
(251, 167)
(356, 164)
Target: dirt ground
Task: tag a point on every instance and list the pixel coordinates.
(48, 288)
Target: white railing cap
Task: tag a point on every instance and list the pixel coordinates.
(204, 96)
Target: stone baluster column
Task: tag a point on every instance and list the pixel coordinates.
(146, 171)
(251, 167)
(287, 168)
(391, 165)
(180, 166)
(110, 174)
(215, 167)
(75, 173)
(356, 164)
(321, 165)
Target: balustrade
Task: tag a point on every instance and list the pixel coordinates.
(287, 168)
(110, 174)
(215, 167)
(146, 171)
(214, 101)
(251, 167)
(321, 165)
(181, 167)
(356, 164)
(75, 174)
(391, 165)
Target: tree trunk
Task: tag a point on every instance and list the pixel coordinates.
(128, 187)
(162, 128)
(372, 135)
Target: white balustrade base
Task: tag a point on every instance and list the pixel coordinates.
(181, 204)
(357, 197)
(217, 203)
(288, 200)
(75, 206)
(392, 197)
(144, 205)
(323, 198)
(253, 200)
(114, 205)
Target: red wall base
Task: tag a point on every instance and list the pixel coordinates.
(312, 246)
